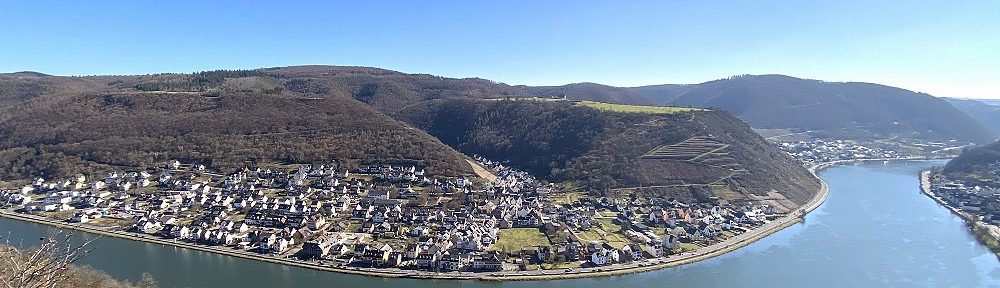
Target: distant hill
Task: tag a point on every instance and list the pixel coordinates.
(661, 94)
(21, 87)
(987, 114)
(994, 102)
(695, 154)
(56, 126)
(826, 109)
(590, 91)
(977, 164)
(386, 90)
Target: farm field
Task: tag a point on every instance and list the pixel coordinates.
(617, 107)
(513, 239)
(614, 239)
(635, 108)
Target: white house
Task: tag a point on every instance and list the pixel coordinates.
(604, 256)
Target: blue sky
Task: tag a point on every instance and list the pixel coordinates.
(946, 48)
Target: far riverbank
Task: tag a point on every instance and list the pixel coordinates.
(987, 234)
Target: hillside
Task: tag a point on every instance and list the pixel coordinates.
(304, 114)
(661, 94)
(54, 126)
(978, 164)
(985, 113)
(387, 91)
(827, 109)
(686, 154)
(21, 87)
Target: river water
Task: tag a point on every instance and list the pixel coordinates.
(875, 230)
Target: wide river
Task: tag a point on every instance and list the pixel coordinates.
(875, 230)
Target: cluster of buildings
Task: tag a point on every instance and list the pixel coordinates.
(982, 202)
(384, 216)
(651, 228)
(819, 151)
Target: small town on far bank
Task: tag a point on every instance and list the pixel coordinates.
(819, 150)
(977, 201)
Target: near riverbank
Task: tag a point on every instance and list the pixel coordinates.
(704, 253)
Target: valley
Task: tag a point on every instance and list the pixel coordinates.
(369, 171)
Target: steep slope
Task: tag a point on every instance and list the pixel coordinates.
(225, 119)
(826, 109)
(977, 164)
(56, 126)
(21, 87)
(696, 154)
(987, 114)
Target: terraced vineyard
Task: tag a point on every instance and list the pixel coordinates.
(698, 149)
(694, 156)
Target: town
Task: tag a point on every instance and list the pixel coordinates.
(817, 151)
(385, 216)
(974, 201)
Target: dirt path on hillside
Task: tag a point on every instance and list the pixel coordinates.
(481, 171)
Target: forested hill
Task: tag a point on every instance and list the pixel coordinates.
(57, 126)
(986, 113)
(977, 164)
(827, 109)
(694, 154)
(386, 90)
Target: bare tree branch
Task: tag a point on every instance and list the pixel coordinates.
(50, 264)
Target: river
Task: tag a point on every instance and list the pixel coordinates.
(875, 230)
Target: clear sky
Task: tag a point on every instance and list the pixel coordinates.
(946, 48)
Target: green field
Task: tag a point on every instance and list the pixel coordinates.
(659, 231)
(609, 225)
(560, 266)
(635, 108)
(513, 239)
(565, 198)
(617, 107)
(724, 192)
(279, 166)
(614, 239)
(689, 247)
